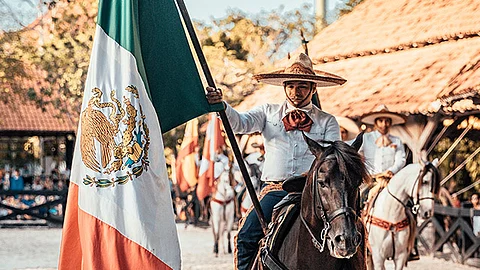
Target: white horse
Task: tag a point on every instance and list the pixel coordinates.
(254, 168)
(390, 223)
(222, 209)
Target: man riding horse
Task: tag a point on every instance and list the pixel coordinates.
(384, 153)
(282, 126)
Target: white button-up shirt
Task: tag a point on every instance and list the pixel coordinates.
(286, 153)
(381, 159)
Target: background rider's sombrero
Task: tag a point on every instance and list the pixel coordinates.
(382, 111)
(300, 69)
(349, 125)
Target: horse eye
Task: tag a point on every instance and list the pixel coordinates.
(322, 183)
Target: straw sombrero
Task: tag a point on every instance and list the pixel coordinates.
(382, 111)
(300, 69)
(349, 125)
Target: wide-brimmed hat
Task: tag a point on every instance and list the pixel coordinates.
(382, 111)
(300, 69)
(349, 125)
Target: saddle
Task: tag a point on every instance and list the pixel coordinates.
(284, 215)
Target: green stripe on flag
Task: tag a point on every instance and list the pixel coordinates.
(153, 32)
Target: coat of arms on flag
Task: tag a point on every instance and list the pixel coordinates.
(118, 127)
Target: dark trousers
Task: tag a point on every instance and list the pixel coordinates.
(251, 232)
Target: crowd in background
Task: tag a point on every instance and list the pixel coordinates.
(14, 180)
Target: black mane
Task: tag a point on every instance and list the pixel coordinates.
(348, 160)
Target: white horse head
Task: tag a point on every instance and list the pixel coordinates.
(427, 189)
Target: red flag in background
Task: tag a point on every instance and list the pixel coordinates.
(213, 142)
(186, 167)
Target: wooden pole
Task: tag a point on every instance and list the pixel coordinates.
(223, 115)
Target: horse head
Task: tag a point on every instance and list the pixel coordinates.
(330, 196)
(427, 186)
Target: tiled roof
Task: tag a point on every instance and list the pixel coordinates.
(410, 55)
(379, 25)
(20, 115)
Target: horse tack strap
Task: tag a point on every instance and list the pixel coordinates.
(387, 225)
(271, 262)
(270, 187)
(221, 202)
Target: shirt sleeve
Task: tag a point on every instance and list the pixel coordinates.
(247, 122)
(332, 130)
(400, 158)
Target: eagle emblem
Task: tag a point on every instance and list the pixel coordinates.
(114, 138)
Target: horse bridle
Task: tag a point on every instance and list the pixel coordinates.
(418, 182)
(326, 217)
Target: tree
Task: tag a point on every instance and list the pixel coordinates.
(240, 45)
(349, 6)
(56, 47)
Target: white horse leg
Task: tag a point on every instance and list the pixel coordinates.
(400, 260)
(401, 247)
(230, 212)
(221, 229)
(378, 260)
(215, 220)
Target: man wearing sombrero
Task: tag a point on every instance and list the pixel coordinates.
(281, 125)
(384, 153)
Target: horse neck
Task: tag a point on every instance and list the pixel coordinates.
(398, 189)
(221, 191)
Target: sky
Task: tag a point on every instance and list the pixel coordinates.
(203, 10)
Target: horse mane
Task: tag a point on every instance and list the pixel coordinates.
(435, 177)
(349, 161)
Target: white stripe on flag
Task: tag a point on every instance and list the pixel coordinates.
(141, 209)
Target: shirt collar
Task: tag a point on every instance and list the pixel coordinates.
(378, 134)
(307, 108)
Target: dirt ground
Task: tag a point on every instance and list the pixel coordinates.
(38, 248)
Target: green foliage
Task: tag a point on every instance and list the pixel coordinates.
(240, 45)
(57, 49)
(471, 171)
(349, 6)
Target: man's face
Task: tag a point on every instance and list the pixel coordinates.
(383, 124)
(299, 93)
(475, 200)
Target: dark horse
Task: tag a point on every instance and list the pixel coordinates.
(327, 214)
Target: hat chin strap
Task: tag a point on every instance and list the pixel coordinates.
(291, 101)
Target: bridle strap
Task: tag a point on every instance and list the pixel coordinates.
(344, 210)
(320, 246)
(326, 218)
(418, 182)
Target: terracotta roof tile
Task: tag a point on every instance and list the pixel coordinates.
(406, 54)
(22, 114)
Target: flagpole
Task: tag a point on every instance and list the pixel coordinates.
(223, 115)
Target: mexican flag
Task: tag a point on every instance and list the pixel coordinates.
(142, 76)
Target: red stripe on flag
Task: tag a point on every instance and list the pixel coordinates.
(206, 179)
(88, 243)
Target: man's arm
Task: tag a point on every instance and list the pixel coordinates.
(400, 158)
(332, 130)
(242, 123)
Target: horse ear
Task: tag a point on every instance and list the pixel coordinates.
(314, 147)
(358, 141)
